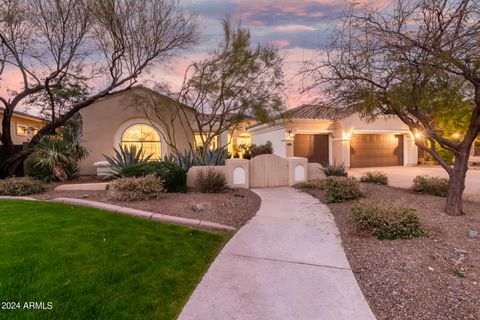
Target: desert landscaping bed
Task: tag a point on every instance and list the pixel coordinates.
(231, 207)
(432, 277)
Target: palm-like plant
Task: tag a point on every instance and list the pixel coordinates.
(124, 156)
(59, 155)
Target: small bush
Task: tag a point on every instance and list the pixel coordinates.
(335, 170)
(340, 189)
(386, 221)
(319, 184)
(174, 177)
(376, 177)
(136, 189)
(431, 185)
(23, 186)
(210, 180)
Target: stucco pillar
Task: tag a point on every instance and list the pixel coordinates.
(297, 170)
(238, 173)
(410, 150)
(341, 151)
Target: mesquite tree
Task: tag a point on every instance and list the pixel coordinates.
(235, 82)
(94, 46)
(416, 60)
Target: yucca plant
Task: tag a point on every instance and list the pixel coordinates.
(335, 170)
(125, 156)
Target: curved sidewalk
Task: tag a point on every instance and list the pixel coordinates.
(286, 263)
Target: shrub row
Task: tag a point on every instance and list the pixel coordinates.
(174, 177)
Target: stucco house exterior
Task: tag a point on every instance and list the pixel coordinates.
(123, 119)
(325, 137)
(23, 126)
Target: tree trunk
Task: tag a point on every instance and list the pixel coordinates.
(456, 184)
(7, 168)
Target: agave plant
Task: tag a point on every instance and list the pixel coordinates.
(125, 156)
(201, 157)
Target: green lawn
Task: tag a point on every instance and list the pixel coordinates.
(92, 264)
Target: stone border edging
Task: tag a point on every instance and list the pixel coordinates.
(197, 223)
(146, 214)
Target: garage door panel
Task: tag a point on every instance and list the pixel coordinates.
(376, 150)
(314, 147)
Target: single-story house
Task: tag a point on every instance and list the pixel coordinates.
(23, 126)
(124, 119)
(324, 137)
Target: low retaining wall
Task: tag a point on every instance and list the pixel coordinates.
(238, 172)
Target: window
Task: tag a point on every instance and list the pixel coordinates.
(25, 130)
(145, 137)
(199, 143)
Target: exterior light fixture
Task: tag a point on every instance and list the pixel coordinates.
(291, 135)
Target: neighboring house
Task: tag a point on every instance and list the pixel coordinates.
(23, 126)
(324, 137)
(122, 119)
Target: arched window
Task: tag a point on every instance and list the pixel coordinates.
(145, 137)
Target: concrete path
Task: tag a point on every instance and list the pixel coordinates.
(402, 177)
(286, 263)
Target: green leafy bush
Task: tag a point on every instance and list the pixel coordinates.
(340, 189)
(386, 221)
(431, 185)
(376, 177)
(210, 180)
(445, 154)
(335, 170)
(22, 186)
(136, 189)
(173, 176)
(256, 150)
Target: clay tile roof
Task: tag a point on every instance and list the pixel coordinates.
(307, 111)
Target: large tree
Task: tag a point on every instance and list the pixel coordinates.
(93, 46)
(417, 60)
(235, 82)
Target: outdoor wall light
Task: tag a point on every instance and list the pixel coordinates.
(291, 135)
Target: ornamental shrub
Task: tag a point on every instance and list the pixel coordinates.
(137, 189)
(430, 185)
(335, 170)
(340, 189)
(22, 186)
(210, 180)
(386, 221)
(376, 177)
(174, 177)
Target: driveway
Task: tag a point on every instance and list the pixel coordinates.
(286, 263)
(402, 177)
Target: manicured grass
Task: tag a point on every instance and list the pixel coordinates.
(92, 264)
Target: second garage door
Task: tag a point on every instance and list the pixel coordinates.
(376, 150)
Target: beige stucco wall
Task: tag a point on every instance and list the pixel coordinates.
(23, 121)
(276, 135)
(105, 120)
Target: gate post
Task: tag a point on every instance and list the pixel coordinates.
(297, 170)
(238, 173)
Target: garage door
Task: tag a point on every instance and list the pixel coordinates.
(376, 150)
(314, 147)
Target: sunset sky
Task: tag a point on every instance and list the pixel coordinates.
(297, 27)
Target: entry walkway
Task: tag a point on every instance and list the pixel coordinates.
(286, 263)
